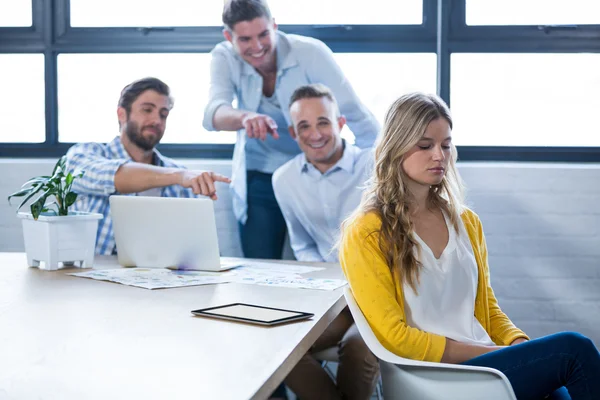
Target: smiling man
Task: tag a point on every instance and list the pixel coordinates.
(316, 191)
(321, 186)
(130, 164)
(260, 67)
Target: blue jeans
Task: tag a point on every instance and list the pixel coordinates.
(562, 366)
(263, 234)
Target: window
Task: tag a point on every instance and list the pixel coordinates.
(15, 13)
(525, 99)
(396, 74)
(380, 78)
(349, 12)
(532, 12)
(22, 103)
(519, 75)
(89, 86)
(143, 13)
(188, 77)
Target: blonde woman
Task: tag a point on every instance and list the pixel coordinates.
(416, 260)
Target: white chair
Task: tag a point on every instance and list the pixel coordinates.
(406, 379)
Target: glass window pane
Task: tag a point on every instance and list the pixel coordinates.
(532, 12)
(89, 86)
(101, 13)
(349, 12)
(22, 107)
(525, 99)
(380, 78)
(15, 13)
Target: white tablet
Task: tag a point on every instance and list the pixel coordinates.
(252, 314)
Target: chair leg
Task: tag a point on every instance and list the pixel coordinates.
(325, 365)
(379, 388)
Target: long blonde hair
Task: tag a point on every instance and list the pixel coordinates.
(387, 192)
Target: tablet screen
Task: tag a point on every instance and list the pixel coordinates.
(251, 313)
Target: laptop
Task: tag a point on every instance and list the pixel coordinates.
(166, 232)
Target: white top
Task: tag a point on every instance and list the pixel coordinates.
(445, 304)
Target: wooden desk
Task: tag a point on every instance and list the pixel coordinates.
(63, 337)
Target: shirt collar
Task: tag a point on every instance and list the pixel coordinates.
(116, 147)
(345, 163)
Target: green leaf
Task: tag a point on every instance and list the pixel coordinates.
(54, 203)
(59, 164)
(37, 180)
(58, 175)
(55, 208)
(70, 199)
(38, 205)
(52, 190)
(48, 209)
(58, 185)
(59, 169)
(33, 193)
(20, 193)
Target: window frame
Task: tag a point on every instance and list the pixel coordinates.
(26, 39)
(444, 31)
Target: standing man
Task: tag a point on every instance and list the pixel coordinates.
(130, 164)
(316, 191)
(261, 67)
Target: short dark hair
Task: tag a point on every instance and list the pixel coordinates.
(131, 92)
(236, 11)
(313, 91)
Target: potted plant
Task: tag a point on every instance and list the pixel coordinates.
(53, 234)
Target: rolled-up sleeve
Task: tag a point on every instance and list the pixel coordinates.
(221, 90)
(324, 69)
(99, 171)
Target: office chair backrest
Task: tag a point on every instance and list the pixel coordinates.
(405, 379)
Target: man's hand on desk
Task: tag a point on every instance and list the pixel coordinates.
(202, 182)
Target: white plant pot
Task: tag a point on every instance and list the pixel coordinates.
(67, 239)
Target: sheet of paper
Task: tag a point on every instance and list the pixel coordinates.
(155, 278)
(301, 283)
(277, 267)
(257, 273)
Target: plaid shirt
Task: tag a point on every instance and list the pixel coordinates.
(100, 163)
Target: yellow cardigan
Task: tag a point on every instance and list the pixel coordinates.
(378, 292)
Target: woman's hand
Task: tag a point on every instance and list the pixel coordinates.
(458, 352)
(518, 340)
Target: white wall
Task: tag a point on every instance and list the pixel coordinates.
(542, 223)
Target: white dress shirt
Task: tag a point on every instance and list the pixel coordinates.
(314, 204)
(447, 287)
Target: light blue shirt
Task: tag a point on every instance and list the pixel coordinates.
(314, 205)
(300, 60)
(100, 163)
(271, 154)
